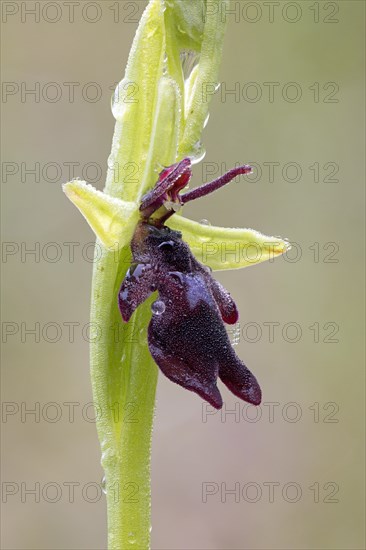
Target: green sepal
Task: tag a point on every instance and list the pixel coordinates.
(227, 248)
(112, 220)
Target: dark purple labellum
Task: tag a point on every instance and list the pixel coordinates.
(186, 334)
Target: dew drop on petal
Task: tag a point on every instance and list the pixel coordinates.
(182, 31)
(235, 335)
(111, 163)
(131, 538)
(158, 307)
(205, 222)
(117, 104)
(165, 65)
(104, 485)
(198, 153)
(189, 60)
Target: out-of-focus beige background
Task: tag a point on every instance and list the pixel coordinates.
(290, 478)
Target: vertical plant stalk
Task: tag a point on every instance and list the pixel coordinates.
(151, 130)
(160, 115)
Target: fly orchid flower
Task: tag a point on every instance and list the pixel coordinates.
(186, 334)
(161, 107)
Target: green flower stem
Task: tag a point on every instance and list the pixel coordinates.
(124, 381)
(148, 134)
(159, 120)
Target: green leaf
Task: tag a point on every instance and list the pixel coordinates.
(124, 378)
(188, 19)
(134, 104)
(165, 132)
(206, 77)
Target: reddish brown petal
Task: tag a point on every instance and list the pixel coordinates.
(186, 336)
(240, 380)
(135, 289)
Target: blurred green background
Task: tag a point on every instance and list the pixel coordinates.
(298, 471)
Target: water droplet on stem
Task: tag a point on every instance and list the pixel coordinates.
(189, 59)
(104, 485)
(198, 153)
(131, 538)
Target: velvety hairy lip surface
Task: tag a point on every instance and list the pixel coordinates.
(186, 335)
